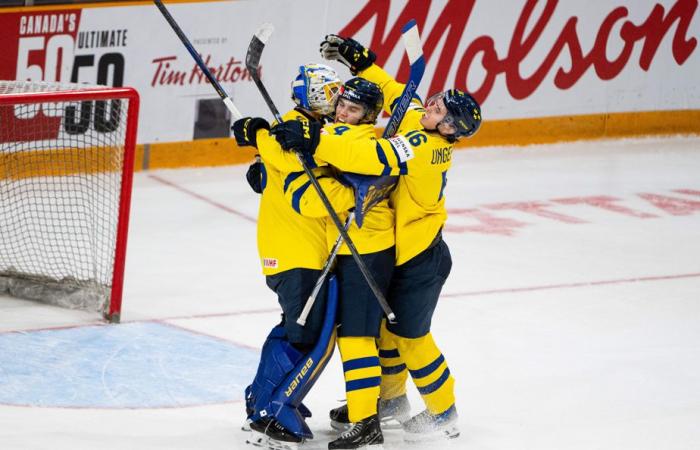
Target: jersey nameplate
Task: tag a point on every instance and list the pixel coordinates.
(402, 147)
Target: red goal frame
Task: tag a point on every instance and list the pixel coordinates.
(103, 93)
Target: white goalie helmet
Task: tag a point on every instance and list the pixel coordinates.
(316, 88)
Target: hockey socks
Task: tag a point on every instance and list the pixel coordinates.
(362, 375)
(429, 371)
(394, 371)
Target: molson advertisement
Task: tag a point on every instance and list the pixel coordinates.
(543, 70)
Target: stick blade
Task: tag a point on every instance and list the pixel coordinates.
(411, 40)
(257, 44)
(264, 32)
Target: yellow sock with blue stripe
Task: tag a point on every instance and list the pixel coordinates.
(429, 371)
(362, 375)
(394, 371)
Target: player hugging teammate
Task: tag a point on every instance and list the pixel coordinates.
(400, 241)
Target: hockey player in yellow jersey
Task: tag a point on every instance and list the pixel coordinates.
(421, 153)
(359, 315)
(292, 248)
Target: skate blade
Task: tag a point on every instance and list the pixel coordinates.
(340, 426)
(260, 440)
(389, 423)
(393, 422)
(445, 433)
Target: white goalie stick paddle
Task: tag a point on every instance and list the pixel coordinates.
(257, 44)
(414, 52)
(198, 59)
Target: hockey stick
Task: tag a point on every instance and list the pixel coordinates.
(257, 44)
(414, 52)
(198, 59)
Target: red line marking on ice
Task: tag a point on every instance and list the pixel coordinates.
(571, 285)
(203, 198)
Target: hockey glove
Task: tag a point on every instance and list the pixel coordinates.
(254, 175)
(302, 136)
(245, 129)
(348, 52)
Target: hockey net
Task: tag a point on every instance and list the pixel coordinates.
(66, 166)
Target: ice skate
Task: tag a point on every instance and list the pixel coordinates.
(392, 413)
(426, 426)
(364, 434)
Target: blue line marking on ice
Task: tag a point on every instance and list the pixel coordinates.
(136, 365)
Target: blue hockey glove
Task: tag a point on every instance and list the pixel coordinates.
(348, 52)
(245, 129)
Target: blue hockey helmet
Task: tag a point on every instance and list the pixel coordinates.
(316, 88)
(364, 92)
(463, 112)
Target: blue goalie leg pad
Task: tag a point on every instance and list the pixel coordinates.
(277, 359)
(285, 401)
(304, 411)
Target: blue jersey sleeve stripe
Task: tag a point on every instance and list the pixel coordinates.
(296, 196)
(263, 176)
(382, 159)
(310, 161)
(442, 187)
(290, 178)
(403, 168)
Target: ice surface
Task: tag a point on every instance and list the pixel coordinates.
(571, 319)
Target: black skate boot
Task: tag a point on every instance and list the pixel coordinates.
(365, 433)
(392, 413)
(426, 426)
(269, 433)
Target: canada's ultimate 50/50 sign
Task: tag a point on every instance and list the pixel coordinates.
(521, 58)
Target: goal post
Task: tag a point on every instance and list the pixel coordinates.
(66, 170)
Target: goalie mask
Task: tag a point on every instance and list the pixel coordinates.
(316, 88)
(365, 93)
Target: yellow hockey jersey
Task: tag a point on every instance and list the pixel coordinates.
(286, 240)
(377, 232)
(421, 157)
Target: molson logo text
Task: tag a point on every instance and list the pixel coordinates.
(453, 20)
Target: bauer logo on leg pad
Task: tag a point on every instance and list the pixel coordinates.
(402, 147)
(299, 377)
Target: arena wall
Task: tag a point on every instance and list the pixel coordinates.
(543, 70)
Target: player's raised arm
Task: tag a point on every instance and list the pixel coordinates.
(360, 61)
